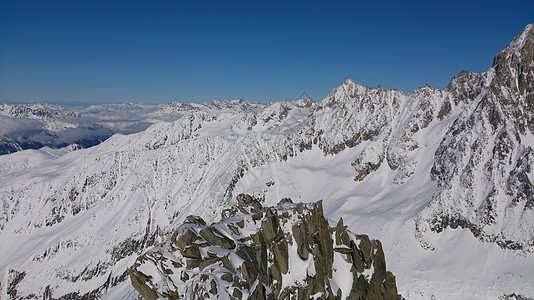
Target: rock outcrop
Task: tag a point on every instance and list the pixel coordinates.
(254, 252)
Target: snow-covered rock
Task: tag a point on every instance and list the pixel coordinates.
(256, 252)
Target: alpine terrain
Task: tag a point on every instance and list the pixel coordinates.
(443, 179)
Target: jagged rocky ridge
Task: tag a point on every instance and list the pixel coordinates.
(255, 252)
(76, 222)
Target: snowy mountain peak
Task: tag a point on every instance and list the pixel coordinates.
(355, 88)
(239, 101)
(483, 164)
(306, 102)
(522, 42)
(347, 91)
(519, 52)
(513, 84)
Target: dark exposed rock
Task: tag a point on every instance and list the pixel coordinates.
(281, 256)
(15, 278)
(514, 296)
(215, 237)
(301, 237)
(187, 238)
(195, 220)
(139, 283)
(270, 228)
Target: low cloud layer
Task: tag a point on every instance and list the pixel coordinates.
(10, 126)
(25, 126)
(31, 133)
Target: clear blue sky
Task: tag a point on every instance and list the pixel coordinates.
(193, 51)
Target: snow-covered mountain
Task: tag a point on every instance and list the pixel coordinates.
(443, 178)
(483, 165)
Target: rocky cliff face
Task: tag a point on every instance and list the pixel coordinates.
(483, 165)
(254, 252)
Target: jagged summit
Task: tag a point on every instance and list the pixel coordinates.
(350, 91)
(518, 56)
(306, 102)
(517, 59)
(522, 46)
(513, 84)
(354, 88)
(483, 164)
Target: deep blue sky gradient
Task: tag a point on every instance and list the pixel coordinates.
(82, 52)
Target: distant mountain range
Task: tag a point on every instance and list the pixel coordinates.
(33, 126)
